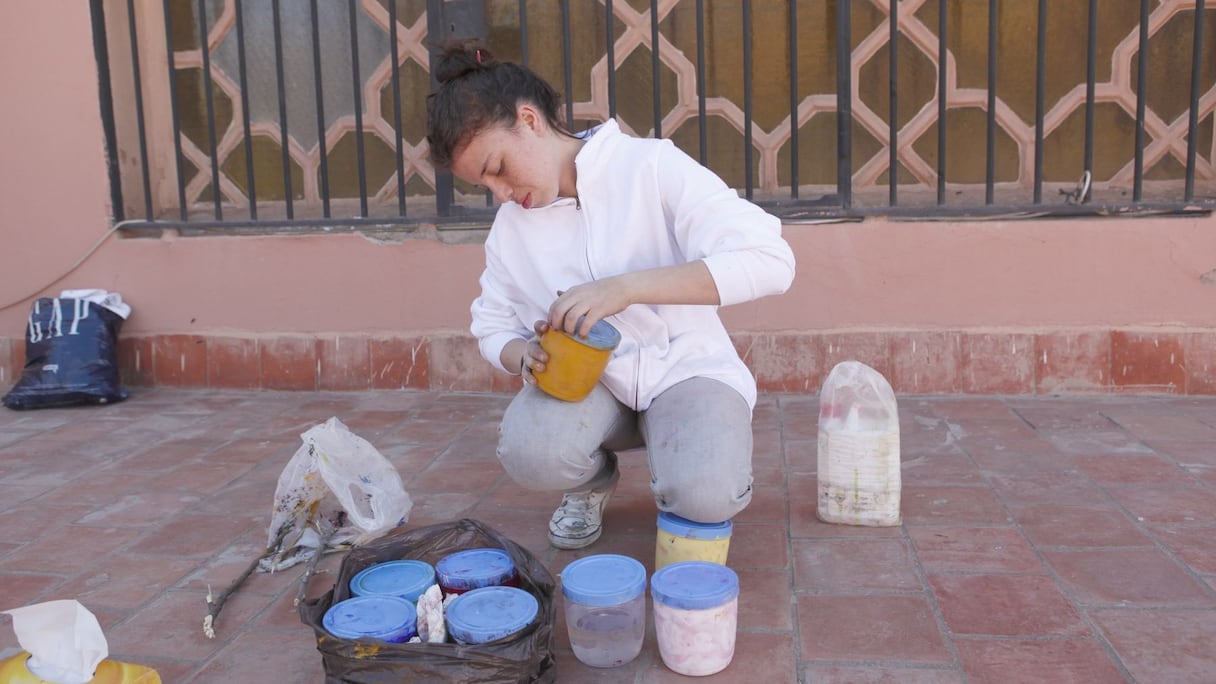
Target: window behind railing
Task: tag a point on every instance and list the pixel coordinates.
(1037, 108)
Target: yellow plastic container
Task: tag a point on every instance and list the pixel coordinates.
(576, 364)
(680, 539)
(14, 671)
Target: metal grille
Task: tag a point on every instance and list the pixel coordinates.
(299, 115)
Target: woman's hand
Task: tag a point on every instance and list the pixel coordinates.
(534, 357)
(590, 302)
(689, 283)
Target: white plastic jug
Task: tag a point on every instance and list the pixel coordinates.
(859, 480)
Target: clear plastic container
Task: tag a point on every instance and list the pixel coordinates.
(475, 568)
(405, 578)
(858, 448)
(605, 597)
(696, 615)
(386, 618)
(489, 614)
(680, 539)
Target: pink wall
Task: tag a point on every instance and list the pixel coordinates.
(1025, 274)
(53, 192)
(1029, 276)
(877, 275)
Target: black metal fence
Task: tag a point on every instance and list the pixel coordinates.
(230, 206)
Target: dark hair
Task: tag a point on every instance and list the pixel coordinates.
(477, 91)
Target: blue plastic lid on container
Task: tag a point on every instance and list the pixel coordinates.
(490, 613)
(388, 618)
(475, 568)
(603, 580)
(405, 578)
(602, 336)
(694, 585)
(683, 527)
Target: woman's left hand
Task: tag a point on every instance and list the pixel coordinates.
(689, 283)
(589, 302)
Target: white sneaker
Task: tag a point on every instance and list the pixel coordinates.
(578, 522)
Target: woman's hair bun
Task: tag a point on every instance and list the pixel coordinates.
(459, 57)
(477, 91)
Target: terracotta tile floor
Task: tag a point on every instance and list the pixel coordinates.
(1043, 539)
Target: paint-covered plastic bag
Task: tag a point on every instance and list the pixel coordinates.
(859, 476)
(337, 490)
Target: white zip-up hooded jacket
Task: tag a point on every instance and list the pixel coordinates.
(642, 203)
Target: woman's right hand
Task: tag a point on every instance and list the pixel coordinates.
(534, 356)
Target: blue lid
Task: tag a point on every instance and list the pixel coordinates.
(475, 568)
(694, 585)
(683, 527)
(405, 578)
(490, 613)
(389, 618)
(602, 336)
(603, 580)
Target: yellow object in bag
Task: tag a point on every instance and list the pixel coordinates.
(64, 645)
(14, 671)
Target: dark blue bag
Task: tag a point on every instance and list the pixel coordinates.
(70, 356)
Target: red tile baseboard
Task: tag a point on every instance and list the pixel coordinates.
(915, 361)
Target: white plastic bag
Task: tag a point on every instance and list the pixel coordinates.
(337, 489)
(859, 478)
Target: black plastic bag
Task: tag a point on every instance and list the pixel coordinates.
(71, 356)
(526, 656)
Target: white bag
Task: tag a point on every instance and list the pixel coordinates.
(859, 480)
(337, 489)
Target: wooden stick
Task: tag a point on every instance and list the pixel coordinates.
(311, 568)
(214, 604)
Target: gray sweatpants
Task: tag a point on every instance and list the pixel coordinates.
(697, 434)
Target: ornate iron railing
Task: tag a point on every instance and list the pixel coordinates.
(274, 115)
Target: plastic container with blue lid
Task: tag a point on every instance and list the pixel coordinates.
(475, 568)
(680, 539)
(386, 618)
(405, 578)
(576, 363)
(605, 597)
(490, 613)
(696, 611)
